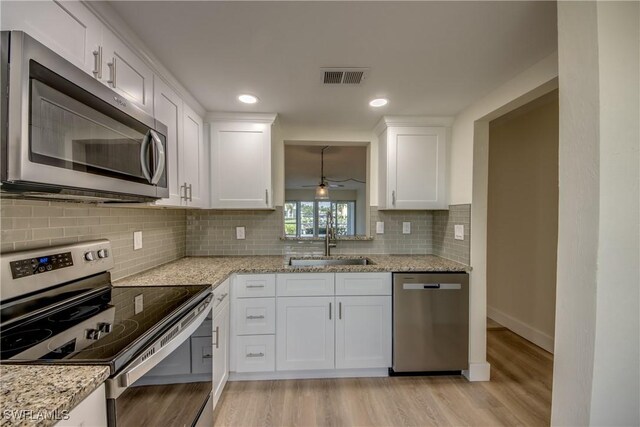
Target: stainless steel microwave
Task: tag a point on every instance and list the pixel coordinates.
(65, 135)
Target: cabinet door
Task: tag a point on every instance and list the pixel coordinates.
(193, 158)
(241, 165)
(417, 162)
(305, 335)
(220, 350)
(92, 411)
(167, 107)
(126, 73)
(363, 332)
(68, 28)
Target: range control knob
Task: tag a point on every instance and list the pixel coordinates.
(102, 253)
(89, 256)
(105, 327)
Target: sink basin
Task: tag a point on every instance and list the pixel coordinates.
(320, 262)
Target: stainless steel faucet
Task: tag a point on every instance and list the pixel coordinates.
(329, 235)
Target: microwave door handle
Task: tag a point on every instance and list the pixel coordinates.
(144, 158)
(138, 369)
(159, 148)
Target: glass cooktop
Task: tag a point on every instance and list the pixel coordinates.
(107, 328)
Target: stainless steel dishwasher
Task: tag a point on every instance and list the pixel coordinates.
(430, 322)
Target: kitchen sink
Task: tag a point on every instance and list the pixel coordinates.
(322, 262)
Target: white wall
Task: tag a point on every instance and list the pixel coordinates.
(596, 369)
(468, 183)
(460, 180)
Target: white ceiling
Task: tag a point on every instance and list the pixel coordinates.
(302, 165)
(428, 58)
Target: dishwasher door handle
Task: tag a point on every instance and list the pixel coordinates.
(429, 286)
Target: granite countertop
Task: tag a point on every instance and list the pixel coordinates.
(33, 395)
(42, 389)
(214, 270)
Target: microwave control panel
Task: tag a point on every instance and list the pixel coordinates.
(43, 264)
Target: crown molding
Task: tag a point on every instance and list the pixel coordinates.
(414, 121)
(268, 118)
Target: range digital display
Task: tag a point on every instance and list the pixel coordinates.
(31, 266)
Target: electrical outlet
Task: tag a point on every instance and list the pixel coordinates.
(380, 227)
(458, 233)
(138, 305)
(137, 240)
(240, 233)
(406, 228)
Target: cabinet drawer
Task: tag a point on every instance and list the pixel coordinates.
(255, 316)
(305, 284)
(221, 293)
(255, 353)
(363, 283)
(201, 353)
(255, 285)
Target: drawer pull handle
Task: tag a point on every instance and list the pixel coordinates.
(255, 354)
(255, 317)
(255, 286)
(222, 297)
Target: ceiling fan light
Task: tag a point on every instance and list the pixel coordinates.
(322, 192)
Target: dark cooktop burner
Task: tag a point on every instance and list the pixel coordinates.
(23, 339)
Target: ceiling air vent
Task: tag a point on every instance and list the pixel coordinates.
(344, 76)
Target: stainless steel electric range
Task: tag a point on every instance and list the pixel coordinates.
(58, 306)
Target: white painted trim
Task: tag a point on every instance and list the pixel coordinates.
(528, 332)
(268, 118)
(415, 121)
(478, 372)
(300, 375)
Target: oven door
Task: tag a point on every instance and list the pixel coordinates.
(67, 130)
(170, 382)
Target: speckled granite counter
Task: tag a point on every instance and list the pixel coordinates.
(31, 395)
(214, 270)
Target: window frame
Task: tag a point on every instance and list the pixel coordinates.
(316, 217)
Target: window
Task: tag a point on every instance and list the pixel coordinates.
(309, 218)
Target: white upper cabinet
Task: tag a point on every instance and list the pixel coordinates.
(68, 28)
(241, 162)
(168, 109)
(126, 73)
(412, 166)
(193, 159)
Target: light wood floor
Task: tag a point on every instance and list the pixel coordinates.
(519, 393)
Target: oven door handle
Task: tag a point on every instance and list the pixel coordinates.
(164, 346)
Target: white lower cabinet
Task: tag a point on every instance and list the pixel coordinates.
(305, 333)
(220, 349)
(92, 411)
(255, 353)
(363, 332)
(339, 323)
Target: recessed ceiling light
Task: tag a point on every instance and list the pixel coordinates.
(248, 99)
(378, 102)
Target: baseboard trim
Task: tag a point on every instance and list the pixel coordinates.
(302, 375)
(528, 332)
(478, 372)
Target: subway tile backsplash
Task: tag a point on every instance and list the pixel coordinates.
(170, 234)
(28, 224)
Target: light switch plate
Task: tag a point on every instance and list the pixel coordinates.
(380, 227)
(458, 232)
(240, 233)
(137, 240)
(138, 305)
(406, 228)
